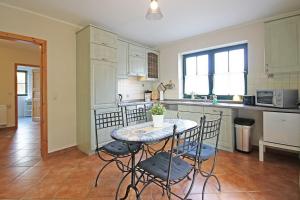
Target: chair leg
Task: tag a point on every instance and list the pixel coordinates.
(192, 184)
(101, 170)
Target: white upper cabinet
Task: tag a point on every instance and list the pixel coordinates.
(122, 68)
(104, 38)
(137, 60)
(103, 53)
(282, 45)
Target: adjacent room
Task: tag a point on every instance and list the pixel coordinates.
(150, 100)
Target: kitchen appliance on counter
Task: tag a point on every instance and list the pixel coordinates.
(249, 100)
(148, 95)
(279, 98)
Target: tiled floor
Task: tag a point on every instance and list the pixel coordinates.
(71, 175)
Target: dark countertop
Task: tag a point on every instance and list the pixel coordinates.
(222, 104)
(233, 105)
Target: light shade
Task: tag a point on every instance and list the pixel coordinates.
(154, 12)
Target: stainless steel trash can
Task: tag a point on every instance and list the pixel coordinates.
(243, 129)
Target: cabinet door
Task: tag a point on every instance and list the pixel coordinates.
(137, 66)
(152, 64)
(103, 53)
(282, 46)
(282, 128)
(104, 38)
(103, 83)
(137, 51)
(226, 139)
(171, 114)
(137, 60)
(194, 116)
(122, 67)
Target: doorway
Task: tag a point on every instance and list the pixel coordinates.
(27, 92)
(39, 109)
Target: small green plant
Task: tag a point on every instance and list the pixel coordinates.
(158, 109)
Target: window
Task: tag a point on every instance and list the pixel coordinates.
(222, 72)
(22, 83)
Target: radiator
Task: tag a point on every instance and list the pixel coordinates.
(3, 115)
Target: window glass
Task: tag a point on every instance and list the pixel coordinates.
(202, 65)
(225, 75)
(191, 66)
(221, 62)
(236, 60)
(22, 83)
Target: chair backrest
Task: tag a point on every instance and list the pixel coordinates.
(107, 119)
(211, 131)
(183, 143)
(135, 115)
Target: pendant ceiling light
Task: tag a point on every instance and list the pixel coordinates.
(154, 12)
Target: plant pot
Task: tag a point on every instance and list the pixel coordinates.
(158, 120)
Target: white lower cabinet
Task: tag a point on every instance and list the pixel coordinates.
(280, 130)
(226, 139)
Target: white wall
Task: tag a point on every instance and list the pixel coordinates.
(170, 65)
(61, 55)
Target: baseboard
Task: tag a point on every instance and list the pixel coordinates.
(62, 151)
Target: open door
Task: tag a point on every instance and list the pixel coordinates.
(36, 95)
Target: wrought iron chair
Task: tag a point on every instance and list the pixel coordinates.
(208, 148)
(117, 150)
(166, 169)
(135, 115)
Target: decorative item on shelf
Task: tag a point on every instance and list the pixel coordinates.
(148, 95)
(154, 12)
(155, 95)
(215, 99)
(158, 111)
(163, 87)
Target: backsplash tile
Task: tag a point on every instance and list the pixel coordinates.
(132, 89)
(278, 81)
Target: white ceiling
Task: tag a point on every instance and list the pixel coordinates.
(182, 18)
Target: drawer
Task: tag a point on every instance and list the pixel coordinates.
(103, 53)
(216, 111)
(194, 109)
(103, 37)
(137, 51)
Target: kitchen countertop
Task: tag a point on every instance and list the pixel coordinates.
(222, 104)
(232, 105)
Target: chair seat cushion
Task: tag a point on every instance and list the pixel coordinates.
(119, 148)
(206, 152)
(158, 166)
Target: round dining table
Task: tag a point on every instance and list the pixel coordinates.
(146, 133)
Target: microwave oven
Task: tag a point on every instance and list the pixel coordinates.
(279, 98)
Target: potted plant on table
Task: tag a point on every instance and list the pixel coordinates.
(158, 112)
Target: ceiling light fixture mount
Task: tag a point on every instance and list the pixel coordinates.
(154, 12)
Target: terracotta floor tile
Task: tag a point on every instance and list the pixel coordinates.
(71, 175)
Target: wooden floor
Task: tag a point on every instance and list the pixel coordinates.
(71, 175)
